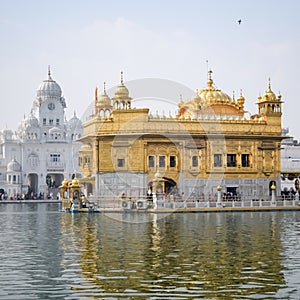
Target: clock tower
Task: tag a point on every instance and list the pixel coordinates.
(49, 147)
(49, 105)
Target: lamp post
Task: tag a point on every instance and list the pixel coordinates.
(273, 194)
(219, 196)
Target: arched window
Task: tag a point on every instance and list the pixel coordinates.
(107, 113)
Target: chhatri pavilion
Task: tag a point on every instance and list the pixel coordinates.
(209, 143)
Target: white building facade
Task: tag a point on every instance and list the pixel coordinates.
(43, 151)
(290, 164)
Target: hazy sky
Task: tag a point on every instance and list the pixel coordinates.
(91, 41)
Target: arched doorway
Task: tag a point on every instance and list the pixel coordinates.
(167, 185)
(33, 181)
(89, 189)
(53, 182)
(170, 185)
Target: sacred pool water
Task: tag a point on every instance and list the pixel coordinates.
(46, 254)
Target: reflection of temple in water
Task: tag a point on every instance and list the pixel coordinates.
(191, 252)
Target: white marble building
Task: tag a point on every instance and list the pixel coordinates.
(35, 159)
(290, 163)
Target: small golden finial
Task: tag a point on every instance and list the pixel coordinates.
(210, 81)
(241, 92)
(233, 96)
(104, 87)
(180, 98)
(209, 74)
(121, 77)
(269, 84)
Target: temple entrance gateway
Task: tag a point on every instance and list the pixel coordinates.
(32, 180)
(170, 184)
(54, 180)
(161, 185)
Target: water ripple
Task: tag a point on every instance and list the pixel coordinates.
(48, 255)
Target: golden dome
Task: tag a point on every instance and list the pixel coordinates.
(104, 98)
(121, 91)
(64, 183)
(241, 100)
(213, 95)
(211, 100)
(75, 182)
(269, 95)
(197, 98)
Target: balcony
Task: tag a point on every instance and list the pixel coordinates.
(55, 166)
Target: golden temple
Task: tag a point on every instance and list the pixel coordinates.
(209, 143)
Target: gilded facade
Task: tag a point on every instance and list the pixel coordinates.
(209, 142)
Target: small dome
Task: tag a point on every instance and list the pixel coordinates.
(7, 134)
(269, 95)
(31, 121)
(75, 182)
(241, 100)
(13, 166)
(64, 182)
(74, 122)
(49, 88)
(197, 98)
(121, 91)
(104, 99)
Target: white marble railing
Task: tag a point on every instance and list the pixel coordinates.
(117, 203)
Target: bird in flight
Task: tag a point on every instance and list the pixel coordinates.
(239, 21)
